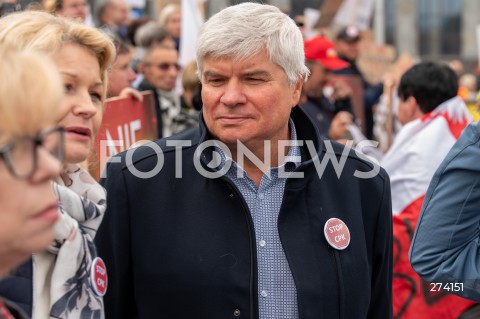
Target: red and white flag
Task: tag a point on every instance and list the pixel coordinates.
(411, 162)
(419, 148)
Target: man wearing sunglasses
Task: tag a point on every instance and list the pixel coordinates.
(160, 69)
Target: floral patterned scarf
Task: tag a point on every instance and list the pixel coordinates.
(62, 287)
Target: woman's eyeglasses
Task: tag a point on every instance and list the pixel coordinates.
(21, 155)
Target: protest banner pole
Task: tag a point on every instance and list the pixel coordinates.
(388, 91)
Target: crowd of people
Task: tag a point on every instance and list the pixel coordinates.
(245, 216)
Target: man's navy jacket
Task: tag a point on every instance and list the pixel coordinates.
(186, 248)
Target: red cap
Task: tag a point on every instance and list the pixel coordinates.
(322, 50)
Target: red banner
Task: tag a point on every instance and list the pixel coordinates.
(126, 123)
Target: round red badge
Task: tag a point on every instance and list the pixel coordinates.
(98, 277)
(337, 233)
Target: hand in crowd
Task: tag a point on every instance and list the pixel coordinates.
(339, 127)
(341, 90)
(390, 79)
(131, 92)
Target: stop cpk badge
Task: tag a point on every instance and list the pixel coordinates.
(337, 233)
(98, 277)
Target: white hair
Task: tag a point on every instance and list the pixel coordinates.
(167, 11)
(246, 29)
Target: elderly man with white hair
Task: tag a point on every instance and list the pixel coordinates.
(239, 218)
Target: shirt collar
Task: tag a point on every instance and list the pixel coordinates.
(291, 162)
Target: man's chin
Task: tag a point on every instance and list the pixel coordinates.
(168, 88)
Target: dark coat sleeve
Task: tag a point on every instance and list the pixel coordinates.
(381, 297)
(445, 247)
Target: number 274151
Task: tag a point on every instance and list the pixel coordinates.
(448, 286)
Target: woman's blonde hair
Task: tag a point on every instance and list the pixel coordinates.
(47, 33)
(31, 92)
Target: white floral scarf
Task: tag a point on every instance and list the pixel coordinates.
(62, 287)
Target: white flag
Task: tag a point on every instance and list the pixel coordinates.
(192, 20)
(419, 148)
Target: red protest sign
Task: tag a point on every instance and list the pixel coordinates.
(126, 122)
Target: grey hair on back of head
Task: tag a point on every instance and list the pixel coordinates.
(246, 29)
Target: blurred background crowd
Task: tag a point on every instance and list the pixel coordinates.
(368, 82)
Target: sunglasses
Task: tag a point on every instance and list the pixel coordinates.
(166, 66)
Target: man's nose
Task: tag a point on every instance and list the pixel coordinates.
(233, 94)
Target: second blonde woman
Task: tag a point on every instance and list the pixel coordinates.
(62, 285)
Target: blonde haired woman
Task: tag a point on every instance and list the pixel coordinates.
(72, 9)
(62, 284)
(31, 153)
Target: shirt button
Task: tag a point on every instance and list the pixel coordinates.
(260, 195)
(262, 243)
(236, 312)
(263, 293)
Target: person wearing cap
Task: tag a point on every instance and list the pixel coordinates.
(215, 234)
(332, 114)
(347, 44)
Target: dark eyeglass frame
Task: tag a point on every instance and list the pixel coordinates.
(165, 66)
(38, 141)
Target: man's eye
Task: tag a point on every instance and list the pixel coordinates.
(215, 81)
(254, 80)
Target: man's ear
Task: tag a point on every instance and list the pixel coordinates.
(297, 92)
(414, 110)
(412, 106)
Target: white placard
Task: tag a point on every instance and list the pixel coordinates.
(192, 20)
(355, 12)
(311, 17)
